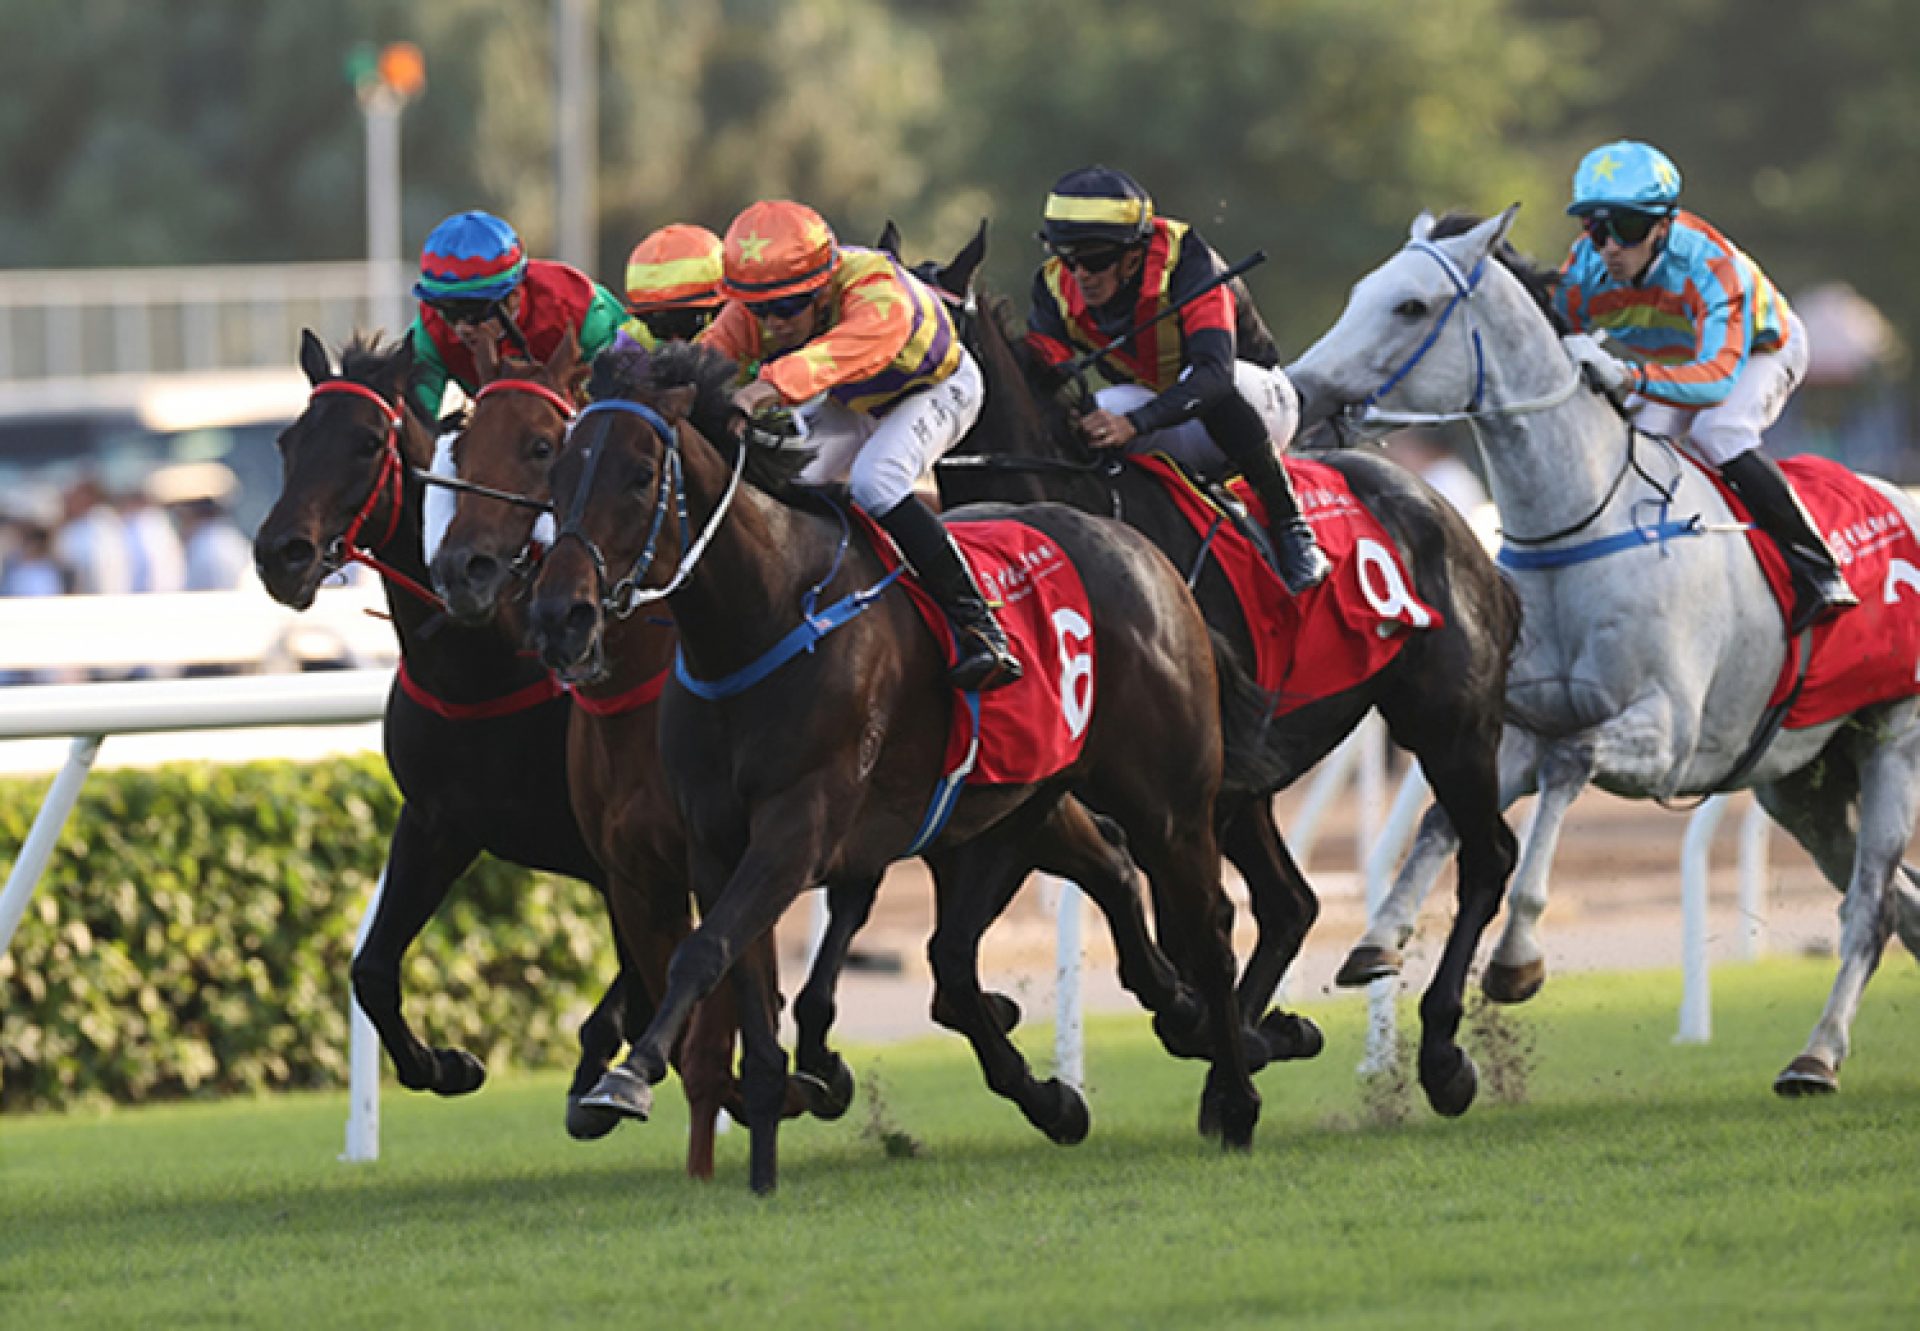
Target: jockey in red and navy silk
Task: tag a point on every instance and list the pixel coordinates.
(1198, 384)
(868, 358)
(1710, 348)
(478, 289)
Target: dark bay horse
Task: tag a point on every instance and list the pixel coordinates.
(825, 768)
(475, 730)
(1442, 696)
(620, 797)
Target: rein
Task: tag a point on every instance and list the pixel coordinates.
(393, 471)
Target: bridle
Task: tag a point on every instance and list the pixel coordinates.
(498, 386)
(347, 547)
(621, 598)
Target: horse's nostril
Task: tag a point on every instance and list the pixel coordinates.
(580, 619)
(295, 554)
(482, 569)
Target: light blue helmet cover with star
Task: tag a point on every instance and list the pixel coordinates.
(1625, 174)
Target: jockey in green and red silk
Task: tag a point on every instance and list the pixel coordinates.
(479, 291)
(868, 357)
(1710, 348)
(1200, 384)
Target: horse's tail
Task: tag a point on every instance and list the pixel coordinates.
(1246, 709)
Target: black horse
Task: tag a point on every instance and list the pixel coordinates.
(475, 729)
(825, 767)
(1442, 696)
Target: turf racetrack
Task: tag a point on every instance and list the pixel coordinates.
(1625, 1182)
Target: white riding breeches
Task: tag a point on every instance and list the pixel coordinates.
(880, 458)
(1268, 391)
(1733, 427)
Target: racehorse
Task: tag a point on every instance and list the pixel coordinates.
(820, 761)
(1441, 696)
(475, 731)
(620, 798)
(1651, 643)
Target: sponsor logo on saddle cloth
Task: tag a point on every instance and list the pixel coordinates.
(1034, 727)
(1338, 634)
(1870, 653)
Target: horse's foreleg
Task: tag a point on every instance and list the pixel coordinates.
(763, 1063)
(1889, 783)
(1285, 908)
(828, 1080)
(422, 864)
(1518, 967)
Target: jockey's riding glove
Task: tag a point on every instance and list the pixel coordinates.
(1604, 370)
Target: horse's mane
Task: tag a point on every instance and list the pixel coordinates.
(1540, 283)
(365, 360)
(630, 372)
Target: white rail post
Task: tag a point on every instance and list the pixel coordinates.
(1696, 870)
(1069, 1035)
(44, 835)
(363, 1056)
(1756, 837)
(1370, 785)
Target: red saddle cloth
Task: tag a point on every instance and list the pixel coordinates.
(1867, 654)
(1033, 728)
(1338, 634)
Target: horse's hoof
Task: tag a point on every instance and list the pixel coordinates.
(1289, 1036)
(586, 1122)
(1004, 1011)
(828, 1097)
(1060, 1111)
(1806, 1075)
(1367, 963)
(1182, 1027)
(1450, 1081)
(456, 1072)
(623, 1092)
(1235, 1121)
(1513, 984)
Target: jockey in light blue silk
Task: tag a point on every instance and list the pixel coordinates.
(1709, 346)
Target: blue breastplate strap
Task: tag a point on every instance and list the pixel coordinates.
(947, 793)
(1631, 539)
(809, 631)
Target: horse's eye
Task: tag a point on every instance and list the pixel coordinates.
(1411, 309)
(541, 448)
(373, 441)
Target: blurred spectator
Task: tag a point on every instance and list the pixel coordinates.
(91, 544)
(219, 557)
(1425, 455)
(28, 568)
(155, 560)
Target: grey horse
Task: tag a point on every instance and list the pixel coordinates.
(1645, 671)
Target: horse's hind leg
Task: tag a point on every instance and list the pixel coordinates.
(1889, 781)
(825, 1075)
(972, 885)
(422, 864)
(1285, 908)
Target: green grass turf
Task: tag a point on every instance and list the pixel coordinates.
(1620, 1181)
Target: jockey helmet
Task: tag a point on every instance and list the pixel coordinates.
(776, 248)
(470, 257)
(1625, 174)
(677, 267)
(1096, 205)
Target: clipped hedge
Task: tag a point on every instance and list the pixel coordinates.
(192, 934)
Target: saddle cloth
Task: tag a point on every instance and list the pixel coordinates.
(1338, 634)
(1868, 654)
(1035, 727)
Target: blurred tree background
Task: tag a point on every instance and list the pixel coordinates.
(224, 130)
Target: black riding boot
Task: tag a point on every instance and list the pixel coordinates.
(982, 659)
(1237, 428)
(1819, 591)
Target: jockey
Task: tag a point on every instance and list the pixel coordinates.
(673, 285)
(1212, 368)
(1714, 350)
(869, 358)
(480, 296)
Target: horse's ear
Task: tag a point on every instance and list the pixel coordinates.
(1422, 226)
(313, 358)
(566, 356)
(676, 403)
(957, 277)
(1487, 237)
(889, 242)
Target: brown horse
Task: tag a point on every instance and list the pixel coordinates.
(825, 769)
(621, 800)
(475, 731)
(1443, 696)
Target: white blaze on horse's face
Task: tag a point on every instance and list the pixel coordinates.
(1391, 314)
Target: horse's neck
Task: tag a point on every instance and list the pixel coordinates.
(638, 650)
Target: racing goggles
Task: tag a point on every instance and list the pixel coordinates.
(465, 311)
(1626, 227)
(781, 307)
(1091, 258)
